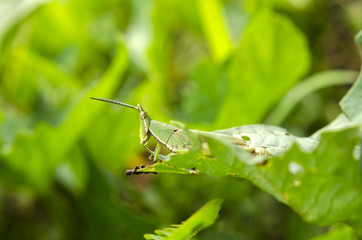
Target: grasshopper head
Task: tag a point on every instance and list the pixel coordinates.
(145, 119)
(144, 124)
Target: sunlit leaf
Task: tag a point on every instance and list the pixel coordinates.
(263, 69)
(211, 15)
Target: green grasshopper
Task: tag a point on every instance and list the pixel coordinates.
(172, 137)
(258, 139)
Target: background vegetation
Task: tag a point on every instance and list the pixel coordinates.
(210, 64)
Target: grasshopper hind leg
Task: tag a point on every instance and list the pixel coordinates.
(156, 153)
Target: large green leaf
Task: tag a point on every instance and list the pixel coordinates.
(324, 186)
(318, 177)
(202, 101)
(272, 56)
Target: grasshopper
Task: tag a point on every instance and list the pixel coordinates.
(258, 139)
(175, 139)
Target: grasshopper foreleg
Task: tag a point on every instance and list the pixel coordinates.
(156, 154)
(157, 151)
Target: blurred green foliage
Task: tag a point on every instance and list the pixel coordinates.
(211, 64)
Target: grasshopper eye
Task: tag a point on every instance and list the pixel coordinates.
(143, 115)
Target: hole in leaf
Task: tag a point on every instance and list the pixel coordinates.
(246, 138)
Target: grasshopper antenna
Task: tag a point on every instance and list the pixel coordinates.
(114, 102)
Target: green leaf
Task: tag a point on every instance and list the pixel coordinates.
(203, 218)
(272, 56)
(351, 102)
(202, 102)
(311, 84)
(323, 187)
(337, 233)
(216, 32)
